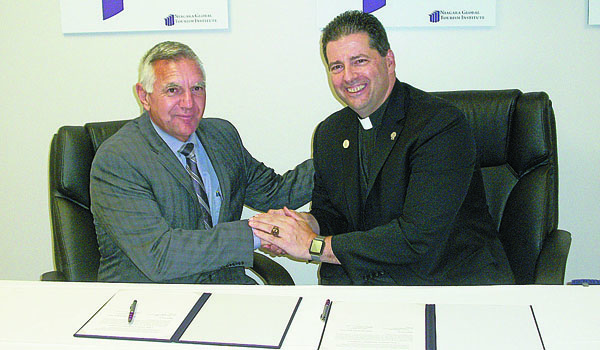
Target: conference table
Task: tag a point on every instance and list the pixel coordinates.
(45, 315)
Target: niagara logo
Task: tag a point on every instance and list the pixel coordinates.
(111, 8)
(434, 17)
(170, 20)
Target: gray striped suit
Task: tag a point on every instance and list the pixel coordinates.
(147, 216)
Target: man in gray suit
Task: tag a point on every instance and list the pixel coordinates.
(157, 221)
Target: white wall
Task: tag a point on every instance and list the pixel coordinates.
(266, 76)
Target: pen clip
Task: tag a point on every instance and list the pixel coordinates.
(326, 309)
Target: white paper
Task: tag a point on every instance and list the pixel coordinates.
(157, 315)
(371, 325)
(242, 319)
(487, 327)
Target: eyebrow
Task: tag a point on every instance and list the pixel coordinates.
(358, 56)
(200, 84)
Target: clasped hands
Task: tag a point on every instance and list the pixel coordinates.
(285, 231)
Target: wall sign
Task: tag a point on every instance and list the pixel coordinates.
(594, 12)
(90, 16)
(410, 13)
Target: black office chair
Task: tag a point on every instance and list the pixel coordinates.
(516, 144)
(76, 254)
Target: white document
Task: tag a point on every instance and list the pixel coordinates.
(157, 315)
(252, 320)
(194, 317)
(372, 325)
(487, 327)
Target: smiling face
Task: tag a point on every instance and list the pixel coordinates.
(176, 103)
(361, 77)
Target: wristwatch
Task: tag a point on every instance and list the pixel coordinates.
(317, 246)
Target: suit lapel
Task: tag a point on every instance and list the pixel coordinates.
(388, 134)
(347, 141)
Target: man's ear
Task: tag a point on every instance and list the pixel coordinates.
(390, 60)
(143, 96)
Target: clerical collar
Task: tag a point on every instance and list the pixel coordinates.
(374, 120)
(366, 123)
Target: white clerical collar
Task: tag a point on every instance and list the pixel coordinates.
(366, 123)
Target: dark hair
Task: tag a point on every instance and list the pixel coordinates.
(352, 22)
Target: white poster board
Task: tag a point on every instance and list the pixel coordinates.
(410, 13)
(92, 16)
(594, 12)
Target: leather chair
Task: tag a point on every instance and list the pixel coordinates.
(515, 134)
(76, 254)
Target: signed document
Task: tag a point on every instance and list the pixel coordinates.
(194, 317)
(157, 316)
(374, 325)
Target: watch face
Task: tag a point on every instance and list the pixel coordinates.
(316, 246)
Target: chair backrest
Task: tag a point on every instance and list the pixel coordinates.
(515, 135)
(72, 150)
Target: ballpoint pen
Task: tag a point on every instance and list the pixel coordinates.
(132, 311)
(324, 317)
(326, 309)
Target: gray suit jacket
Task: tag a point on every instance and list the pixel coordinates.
(147, 216)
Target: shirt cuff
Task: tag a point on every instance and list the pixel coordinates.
(256, 241)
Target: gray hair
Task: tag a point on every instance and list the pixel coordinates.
(167, 50)
(353, 22)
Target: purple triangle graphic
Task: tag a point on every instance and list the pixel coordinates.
(111, 8)
(372, 5)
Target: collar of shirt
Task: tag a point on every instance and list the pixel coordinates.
(175, 144)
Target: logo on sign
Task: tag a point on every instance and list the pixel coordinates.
(456, 16)
(170, 20)
(111, 8)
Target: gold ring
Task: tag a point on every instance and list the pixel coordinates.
(275, 231)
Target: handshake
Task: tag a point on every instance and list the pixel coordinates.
(285, 231)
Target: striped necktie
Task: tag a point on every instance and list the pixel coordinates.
(192, 168)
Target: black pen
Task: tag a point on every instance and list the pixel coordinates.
(324, 317)
(326, 309)
(132, 311)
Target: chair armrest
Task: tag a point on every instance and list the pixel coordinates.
(271, 272)
(55, 276)
(552, 261)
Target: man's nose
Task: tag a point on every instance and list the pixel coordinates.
(187, 100)
(349, 74)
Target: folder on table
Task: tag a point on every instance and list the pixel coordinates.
(192, 317)
(394, 325)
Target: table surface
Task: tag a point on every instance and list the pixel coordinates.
(45, 315)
